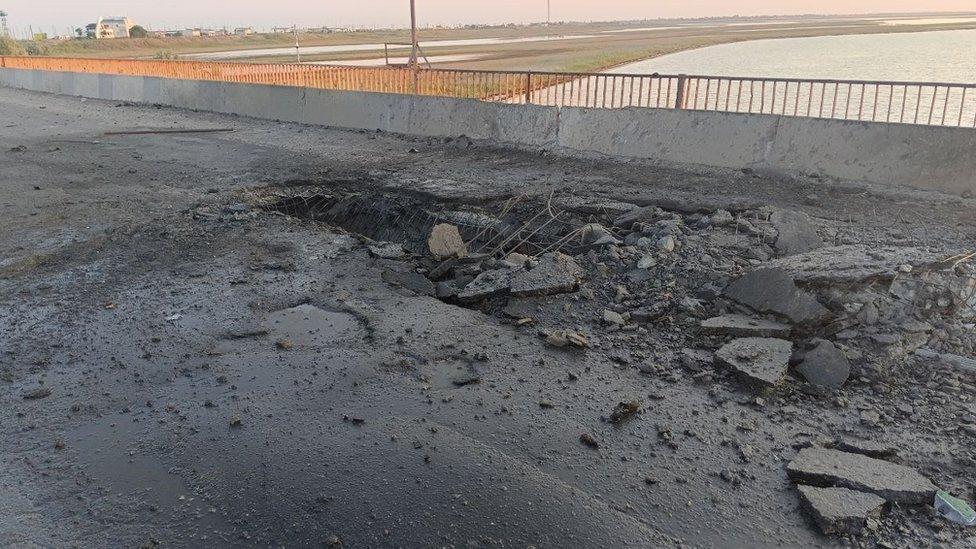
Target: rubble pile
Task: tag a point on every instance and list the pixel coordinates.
(756, 296)
(707, 279)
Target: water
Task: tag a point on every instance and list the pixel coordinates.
(941, 56)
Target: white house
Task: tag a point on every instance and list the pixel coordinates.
(110, 27)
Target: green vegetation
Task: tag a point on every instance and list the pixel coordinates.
(138, 32)
(9, 46)
(36, 48)
(165, 54)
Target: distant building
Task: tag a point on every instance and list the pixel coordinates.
(109, 27)
(190, 32)
(244, 31)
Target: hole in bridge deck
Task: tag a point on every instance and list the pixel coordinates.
(522, 225)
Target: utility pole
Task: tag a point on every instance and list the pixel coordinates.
(548, 12)
(298, 52)
(413, 34)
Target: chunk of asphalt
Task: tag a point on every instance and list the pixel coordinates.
(773, 291)
(797, 234)
(761, 360)
(487, 284)
(825, 365)
(825, 467)
(555, 273)
(745, 326)
(839, 510)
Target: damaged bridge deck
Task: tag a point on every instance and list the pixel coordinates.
(295, 336)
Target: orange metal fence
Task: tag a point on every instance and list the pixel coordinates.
(926, 103)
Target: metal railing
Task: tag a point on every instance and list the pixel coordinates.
(928, 103)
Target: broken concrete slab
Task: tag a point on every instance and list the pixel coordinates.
(826, 467)
(855, 263)
(555, 273)
(415, 282)
(797, 233)
(761, 360)
(864, 447)
(839, 510)
(445, 242)
(745, 326)
(487, 284)
(825, 365)
(773, 291)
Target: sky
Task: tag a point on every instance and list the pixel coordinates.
(61, 15)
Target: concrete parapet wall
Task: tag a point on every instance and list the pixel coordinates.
(924, 157)
(941, 159)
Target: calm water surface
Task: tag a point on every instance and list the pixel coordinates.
(942, 56)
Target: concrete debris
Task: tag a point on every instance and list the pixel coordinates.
(855, 263)
(409, 280)
(37, 394)
(955, 362)
(555, 273)
(519, 260)
(565, 338)
(825, 365)
(773, 291)
(445, 242)
(666, 244)
(465, 378)
(796, 233)
(893, 482)
(721, 218)
(761, 360)
(613, 318)
(646, 262)
(487, 284)
(745, 326)
(386, 250)
(864, 447)
(624, 411)
(446, 290)
(627, 220)
(595, 234)
(588, 440)
(839, 510)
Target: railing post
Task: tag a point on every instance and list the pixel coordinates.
(679, 100)
(528, 88)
